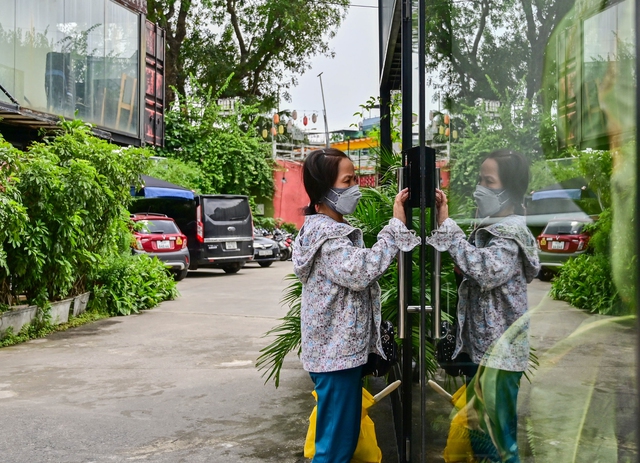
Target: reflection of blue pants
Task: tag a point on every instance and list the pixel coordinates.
(498, 405)
(339, 414)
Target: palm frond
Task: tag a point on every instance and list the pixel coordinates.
(287, 334)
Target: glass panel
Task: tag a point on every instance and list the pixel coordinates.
(43, 68)
(7, 53)
(122, 44)
(69, 57)
(226, 209)
(547, 352)
(84, 43)
(159, 226)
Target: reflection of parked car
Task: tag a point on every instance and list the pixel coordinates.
(265, 250)
(560, 240)
(159, 236)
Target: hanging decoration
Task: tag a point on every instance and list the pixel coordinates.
(276, 119)
(305, 120)
(447, 119)
(289, 125)
(264, 133)
(314, 118)
(446, 132)
(441, 130)
(455, 134)
(273, 131)
(294, 114)
(281, 129)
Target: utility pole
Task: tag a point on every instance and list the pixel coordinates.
(324, 110)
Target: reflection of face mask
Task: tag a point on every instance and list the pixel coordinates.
(343, 200)
(488, 200)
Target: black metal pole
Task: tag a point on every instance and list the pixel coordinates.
(404, 449)
(423, 224)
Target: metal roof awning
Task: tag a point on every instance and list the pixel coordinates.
(24, 119)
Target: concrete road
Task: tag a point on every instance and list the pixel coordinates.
(173, 384)
(178, 384)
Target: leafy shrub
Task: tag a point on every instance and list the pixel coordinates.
(585, 282)
(186, 174)
(65, 201)
(128, 283)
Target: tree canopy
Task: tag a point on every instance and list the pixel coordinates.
(477, 44)
(263, 43)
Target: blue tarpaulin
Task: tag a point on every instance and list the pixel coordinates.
(557, 194)
(156, 188)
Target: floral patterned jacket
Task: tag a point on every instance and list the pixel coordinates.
(497, 261)
(340, 312)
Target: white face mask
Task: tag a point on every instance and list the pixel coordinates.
(343, 200)
(489, 200)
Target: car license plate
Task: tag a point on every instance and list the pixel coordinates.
(264, 253)
(556, 245)
(165, 244)
(231, 245)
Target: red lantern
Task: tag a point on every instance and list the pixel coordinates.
(305, 120)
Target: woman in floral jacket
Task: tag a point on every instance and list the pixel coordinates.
(340, 313)
(497, 260)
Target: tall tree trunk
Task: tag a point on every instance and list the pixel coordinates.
(163, 13)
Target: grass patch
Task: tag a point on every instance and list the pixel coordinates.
(42, 328)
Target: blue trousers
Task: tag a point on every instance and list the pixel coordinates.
(339, 414)
(499, 404)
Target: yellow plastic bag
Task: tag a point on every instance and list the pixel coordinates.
(367, 450)
(458, 449)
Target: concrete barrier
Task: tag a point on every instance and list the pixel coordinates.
(17, 318)
(80, 303)
(60, 311)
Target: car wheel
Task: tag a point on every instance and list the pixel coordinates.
(181, 275)
(265, 264)
(235, 268)
(546, 275)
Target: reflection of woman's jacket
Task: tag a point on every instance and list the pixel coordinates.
(498, 261)
(340, 312)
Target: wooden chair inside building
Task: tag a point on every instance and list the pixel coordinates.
(126, 103)
(127, 100)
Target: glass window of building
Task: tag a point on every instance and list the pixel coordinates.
(73, 58)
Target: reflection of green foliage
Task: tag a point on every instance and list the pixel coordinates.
(585, 281)
(514, 125)
(624, 229)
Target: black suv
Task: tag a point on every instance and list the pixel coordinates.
(219, 228)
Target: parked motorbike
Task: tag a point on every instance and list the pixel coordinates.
(285, 241)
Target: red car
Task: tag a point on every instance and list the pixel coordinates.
(159, 236)
(560, 240)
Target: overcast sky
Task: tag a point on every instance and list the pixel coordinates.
(349, 79)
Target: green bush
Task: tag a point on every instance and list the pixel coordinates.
(66, 203)
(128, 283)
(585, 282)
